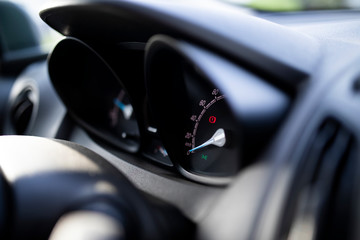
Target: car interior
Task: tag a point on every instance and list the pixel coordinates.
(154, 119)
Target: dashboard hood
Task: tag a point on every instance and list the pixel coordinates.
(277, 51)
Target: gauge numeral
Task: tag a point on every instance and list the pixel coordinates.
(188, 144)
(193, 118)
(215, 92)
(188, 135)
(202, 103)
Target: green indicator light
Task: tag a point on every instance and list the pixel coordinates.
(204, 157)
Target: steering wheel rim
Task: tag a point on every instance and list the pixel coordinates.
(50, 179)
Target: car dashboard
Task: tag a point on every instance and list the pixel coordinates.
(246, 123)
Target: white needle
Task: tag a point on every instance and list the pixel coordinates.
(218, 139)
(126, 109)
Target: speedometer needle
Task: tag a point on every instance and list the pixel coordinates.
(218, 139)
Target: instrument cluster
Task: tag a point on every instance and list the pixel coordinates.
(171, 101)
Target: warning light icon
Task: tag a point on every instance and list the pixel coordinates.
(212, 119)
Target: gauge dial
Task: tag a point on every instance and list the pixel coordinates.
(207, 147)
(198, 128)
(210, 129)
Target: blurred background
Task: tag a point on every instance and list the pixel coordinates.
(48, 37)
(297, 5)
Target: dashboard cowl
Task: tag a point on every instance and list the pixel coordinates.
(286, 60)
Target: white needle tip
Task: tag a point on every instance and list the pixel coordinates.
(218, 139)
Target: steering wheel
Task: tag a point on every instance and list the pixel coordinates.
(53, 189)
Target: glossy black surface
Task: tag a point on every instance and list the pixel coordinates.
(97, 98)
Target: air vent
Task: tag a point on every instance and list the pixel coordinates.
(328, 150)
(335, 182)
(327, 159)
(22, 111)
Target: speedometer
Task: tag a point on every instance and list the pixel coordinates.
(218, 139)
(202, 134)
(210, 129)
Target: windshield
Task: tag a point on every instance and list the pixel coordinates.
(264, 5)
(48, 36)
(296, 5)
